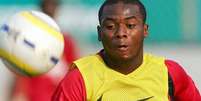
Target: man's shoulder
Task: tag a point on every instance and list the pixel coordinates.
(172, 66)
(154, 59)
(71, 88)
(86, 58)
(73, 74)
(175, 69)
(89, 59)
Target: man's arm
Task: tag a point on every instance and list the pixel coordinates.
(71, 88)
(184, 87)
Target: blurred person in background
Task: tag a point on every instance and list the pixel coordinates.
(41, 88)
(121, 71)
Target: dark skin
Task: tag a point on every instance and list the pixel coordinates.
(50, 7)
(122, 32)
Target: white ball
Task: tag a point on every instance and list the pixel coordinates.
(30, 43)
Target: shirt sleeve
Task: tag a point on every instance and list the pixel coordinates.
(71, 88)
(184, 87)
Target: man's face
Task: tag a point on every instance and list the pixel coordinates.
(122, 31)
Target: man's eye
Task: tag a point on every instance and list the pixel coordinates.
(130, 26)
(110, 27)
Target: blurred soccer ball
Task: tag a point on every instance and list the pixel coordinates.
(30, 43)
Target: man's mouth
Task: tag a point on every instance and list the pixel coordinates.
(122, 47)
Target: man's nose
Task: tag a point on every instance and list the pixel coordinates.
(121, 32)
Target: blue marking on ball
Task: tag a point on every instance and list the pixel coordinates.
(28, 43)
(54, 60)
(5, 28)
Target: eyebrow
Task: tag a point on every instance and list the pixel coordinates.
(131, 17)
(112, 19)
(127, 18)
(108, 18)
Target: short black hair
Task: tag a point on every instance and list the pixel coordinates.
(135, 2)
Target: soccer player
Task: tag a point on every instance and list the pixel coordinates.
(42, 87)
(121, 71)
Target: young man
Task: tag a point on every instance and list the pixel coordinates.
(121, 71)
(42, 87)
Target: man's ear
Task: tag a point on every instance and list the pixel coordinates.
(146, 28)
(99, 32)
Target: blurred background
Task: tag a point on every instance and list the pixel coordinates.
(174, 31)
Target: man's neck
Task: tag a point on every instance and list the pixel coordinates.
(124, 66)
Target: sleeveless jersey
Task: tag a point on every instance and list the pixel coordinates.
(149, 82)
